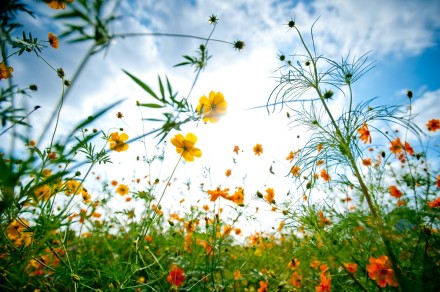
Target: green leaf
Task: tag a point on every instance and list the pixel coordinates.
(143, 85)
(152, 105)
(162, 91)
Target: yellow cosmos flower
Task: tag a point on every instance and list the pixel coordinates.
(117, 142)
(122, 190)
(185, 146)
(212, 107)
(57, 4)
(17, 233)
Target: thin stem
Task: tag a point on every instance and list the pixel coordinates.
(352, 163)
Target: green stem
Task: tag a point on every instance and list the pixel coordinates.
(352, 163)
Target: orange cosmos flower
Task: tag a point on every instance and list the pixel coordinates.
(351, 267)
(270, 196)
(314, 264)
(185, 146)
(295, 280)
(291, 156)
(57, 4)
(395, 192)
(433, 125)
(408, 149)
(236, 149)
(237, 275)
(218, 193)
(325, 283)
(117, 142)
(295, 170)
(367, 162)
(396, 146)
(293, 263)
(325, 176)
(380, 270)
(435, 203)
(53, 40)
(263, 286)
(5, 71)
(176, 276)
(258, 149)
(364, 134)
(238, 196)
(228, 172)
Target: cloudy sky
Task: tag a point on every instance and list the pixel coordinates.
(402, 36)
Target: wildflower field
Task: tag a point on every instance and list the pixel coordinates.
(358, 208)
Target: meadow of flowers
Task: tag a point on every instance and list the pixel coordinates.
(374, 226)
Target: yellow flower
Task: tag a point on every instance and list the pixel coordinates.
(53, 40)
(17, 232)
(212, 107)
(42, 192)
(185, 146)
(72, 187)
(5, 71)
(57, 4)
(117, 142)
(122, 190)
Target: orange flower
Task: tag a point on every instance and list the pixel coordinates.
(263, 286)
(367, 162)
(295, 170)
(176, 276)
(5, 71)
(114, 183)
(237, 275)
(218, 193)
(409, 149)
(53, 40)
(325, 176)
(238, 196)
(433, 125)
(396, 146)
(325, 283)
(293, 263)
(380, 270)
(364, 134)
(351, 267)
(323, 220)
(295, 280)
(270, 196)
(228, 172)
(236, 149)
(435, 203)
(57, 4)
(395, 192)
(117, 142)
(291, 156)
(258, 149)
(315, 264)
(320, 147)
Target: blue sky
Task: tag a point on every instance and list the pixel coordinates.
(403, 37)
